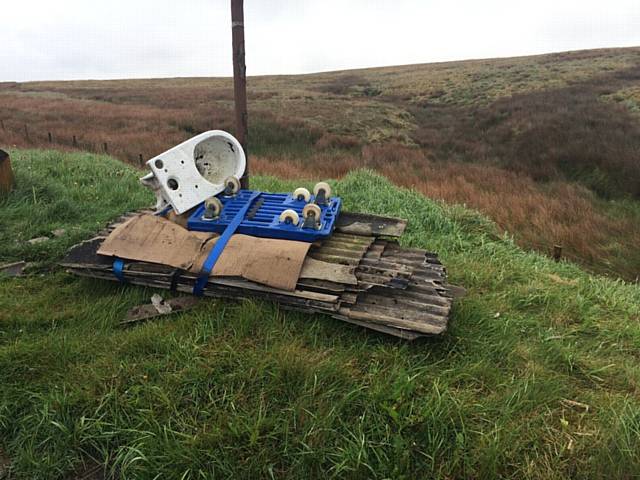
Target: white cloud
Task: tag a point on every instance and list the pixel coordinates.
(161, 38)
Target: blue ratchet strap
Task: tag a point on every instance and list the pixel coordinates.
(222, 241)
(118, 266)
(118, 263)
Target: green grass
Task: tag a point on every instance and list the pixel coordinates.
(245, 390)
(76, 192)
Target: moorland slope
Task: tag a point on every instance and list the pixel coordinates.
(547, 146)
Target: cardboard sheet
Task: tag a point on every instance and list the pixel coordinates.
(276, 263)
(148, 238)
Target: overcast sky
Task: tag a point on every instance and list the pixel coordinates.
(78, 39)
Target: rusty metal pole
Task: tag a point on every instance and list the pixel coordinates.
(240, 81)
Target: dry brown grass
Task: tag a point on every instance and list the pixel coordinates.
(537, 215)
(128, 130)
(558, 133)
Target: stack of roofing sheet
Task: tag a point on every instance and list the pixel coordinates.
(391, 289)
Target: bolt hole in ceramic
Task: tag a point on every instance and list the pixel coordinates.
(187, 174)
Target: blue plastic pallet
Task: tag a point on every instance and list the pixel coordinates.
(262, 219)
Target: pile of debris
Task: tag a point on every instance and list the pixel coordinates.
(297, 249)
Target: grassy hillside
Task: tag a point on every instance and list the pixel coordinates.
(546, 146)
(537, 378)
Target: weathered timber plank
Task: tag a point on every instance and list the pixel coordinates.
(376, 280)
(378, 327)
(385, 268)
(340, 252)
(433, 297)
(361, 247)
(219, 291)
(351, 238)
(335, 259)
(370, 225)
(398, 302)
(403, 314)
(321, 286)
(379, 318)
(375, 252)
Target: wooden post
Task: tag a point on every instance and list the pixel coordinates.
(240, 81)
(104, 146)
(557, 252)
(50, 137)
(75, 142)
(141, 160)
(26, 131)
(7, 180)
(2, 125)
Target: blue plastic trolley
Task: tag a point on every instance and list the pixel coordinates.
(263, 216)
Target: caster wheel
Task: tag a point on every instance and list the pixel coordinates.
(311, 213)
(302, 194)
(212, 208)
(322, 191)
(231, 186)
(289, 217)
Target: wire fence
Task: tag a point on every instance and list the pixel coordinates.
(561, 254)
(30, 137)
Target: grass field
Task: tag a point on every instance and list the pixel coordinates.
(537, 378)
(546, 146)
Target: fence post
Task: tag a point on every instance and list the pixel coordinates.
(557, 252)
(50, 138)
(2, 124)
(7, 179)
(104, 146)
(26, 131)
(75, 142)
(141, 160)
